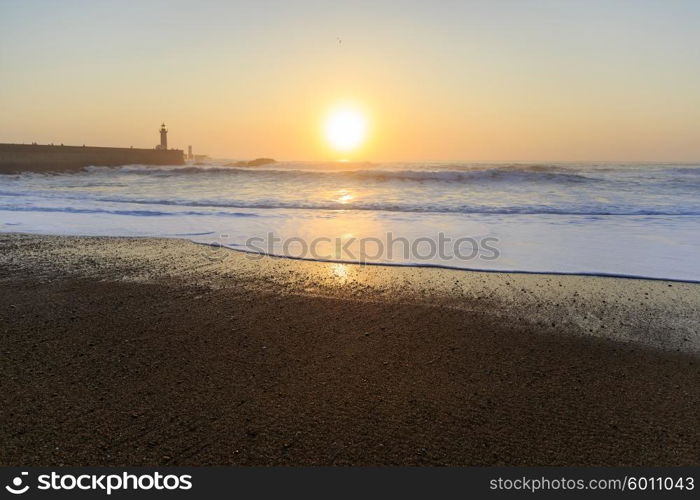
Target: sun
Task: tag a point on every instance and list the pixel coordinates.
(345, 128)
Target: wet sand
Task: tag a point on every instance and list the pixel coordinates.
(119, 351)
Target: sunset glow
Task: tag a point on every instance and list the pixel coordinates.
(547, 81)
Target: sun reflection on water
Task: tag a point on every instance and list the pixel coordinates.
(344, 196)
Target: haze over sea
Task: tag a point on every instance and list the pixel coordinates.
(638, 220)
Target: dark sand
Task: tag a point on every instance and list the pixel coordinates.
(121, 351)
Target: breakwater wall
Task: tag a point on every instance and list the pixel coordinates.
(48, 158)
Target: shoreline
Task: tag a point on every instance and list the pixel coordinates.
(142, 351)
(380, 264)
(416, 265)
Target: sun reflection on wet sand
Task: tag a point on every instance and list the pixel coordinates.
(340, 273)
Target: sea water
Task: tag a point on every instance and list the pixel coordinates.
(639, 220)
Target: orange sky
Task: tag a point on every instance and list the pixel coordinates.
(455, 81)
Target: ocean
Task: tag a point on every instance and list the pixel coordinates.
(635, 220)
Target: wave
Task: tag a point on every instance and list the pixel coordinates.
(137, 213)
(588, 190)
(219, 209)
(450, 174)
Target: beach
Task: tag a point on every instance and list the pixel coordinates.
(144, 351)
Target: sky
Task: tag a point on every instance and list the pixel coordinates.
(436, 80)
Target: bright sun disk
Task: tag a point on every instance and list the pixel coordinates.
(345, 129)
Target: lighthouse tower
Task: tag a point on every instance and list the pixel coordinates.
(163, 137)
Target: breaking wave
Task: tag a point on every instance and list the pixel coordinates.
(450, 174)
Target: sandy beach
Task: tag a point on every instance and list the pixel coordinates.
(120, 351)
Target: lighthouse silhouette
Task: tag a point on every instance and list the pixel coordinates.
(163, 137)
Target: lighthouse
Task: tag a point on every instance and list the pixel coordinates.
(163, 137)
